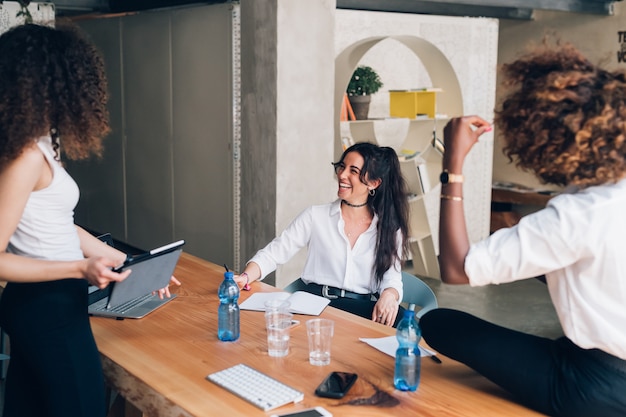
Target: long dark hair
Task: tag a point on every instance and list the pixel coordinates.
(52, 82)
(389, 202)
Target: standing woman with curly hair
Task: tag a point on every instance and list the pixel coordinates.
(564, 120)
(53, 97)
(356, 243)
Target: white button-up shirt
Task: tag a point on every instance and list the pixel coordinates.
(577, 241)
(330, 259)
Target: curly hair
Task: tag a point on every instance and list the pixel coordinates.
(564, 118)
(389, 202)
(52, 82)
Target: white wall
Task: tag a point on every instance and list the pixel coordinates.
(305, 64)
(40, 12)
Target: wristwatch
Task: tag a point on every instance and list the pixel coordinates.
(448, 178)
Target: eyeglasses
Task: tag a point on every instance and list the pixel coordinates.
(340, 167)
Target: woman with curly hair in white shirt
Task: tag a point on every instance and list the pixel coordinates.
(564, 120)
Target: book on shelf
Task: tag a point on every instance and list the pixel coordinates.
(411, 196)
(406, 154)
(428, 89)
(422, 173)
(301, 302)
(424, 89)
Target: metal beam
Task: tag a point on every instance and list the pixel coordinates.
(505, 9)
(443, 8)
(501, 9)
(81, 5)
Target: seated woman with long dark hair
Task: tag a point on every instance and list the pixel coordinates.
(356, 243)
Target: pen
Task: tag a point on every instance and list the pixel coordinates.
(435, 358)
(247, 285)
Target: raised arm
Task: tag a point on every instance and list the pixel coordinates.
(460, 134)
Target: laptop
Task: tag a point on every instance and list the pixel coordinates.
(133, 298)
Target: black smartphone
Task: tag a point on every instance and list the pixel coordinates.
(336, 385)
(309, 412)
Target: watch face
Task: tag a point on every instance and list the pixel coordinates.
(444, 178)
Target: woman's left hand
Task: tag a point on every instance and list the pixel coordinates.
(386, 308)
(165, 292)
(459, 136)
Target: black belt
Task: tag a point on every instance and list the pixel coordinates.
(332, 292)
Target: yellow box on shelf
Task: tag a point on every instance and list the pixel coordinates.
(411, 103)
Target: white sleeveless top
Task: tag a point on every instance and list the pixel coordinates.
(46, 229)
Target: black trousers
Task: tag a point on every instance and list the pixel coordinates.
(55, 368)
(554, 377)
(363, 308)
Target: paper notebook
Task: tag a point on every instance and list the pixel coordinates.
(301, 302)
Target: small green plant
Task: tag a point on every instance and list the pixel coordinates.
(23, 12)
(364, 81)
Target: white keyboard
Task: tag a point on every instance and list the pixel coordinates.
(255, 387)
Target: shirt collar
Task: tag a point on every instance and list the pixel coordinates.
(335, 210)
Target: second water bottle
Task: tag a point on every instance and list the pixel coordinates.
(228, 311)
(408, 359)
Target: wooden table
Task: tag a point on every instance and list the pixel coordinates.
(505, 205)
(159, 363)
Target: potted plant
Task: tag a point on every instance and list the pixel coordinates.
(363, 83)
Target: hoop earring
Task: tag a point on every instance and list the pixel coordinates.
(372, 191)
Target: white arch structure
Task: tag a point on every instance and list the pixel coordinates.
(437, 65)
(459, 56)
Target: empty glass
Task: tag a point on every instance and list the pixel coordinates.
(320, 333)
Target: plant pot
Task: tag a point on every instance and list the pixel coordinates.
(360, 106)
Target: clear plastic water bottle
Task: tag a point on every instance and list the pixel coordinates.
(408, 360)
(228, 311)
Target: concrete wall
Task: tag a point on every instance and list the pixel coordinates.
(287, 118)
(598, 37)
(258, 128)
(305, 113)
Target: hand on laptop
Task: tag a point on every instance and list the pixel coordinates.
(97, 271)
(166, 291)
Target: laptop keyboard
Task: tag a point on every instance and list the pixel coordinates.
(255, 387)
(123, 308)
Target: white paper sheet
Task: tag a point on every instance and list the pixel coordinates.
(389, 345)
(301, 302)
